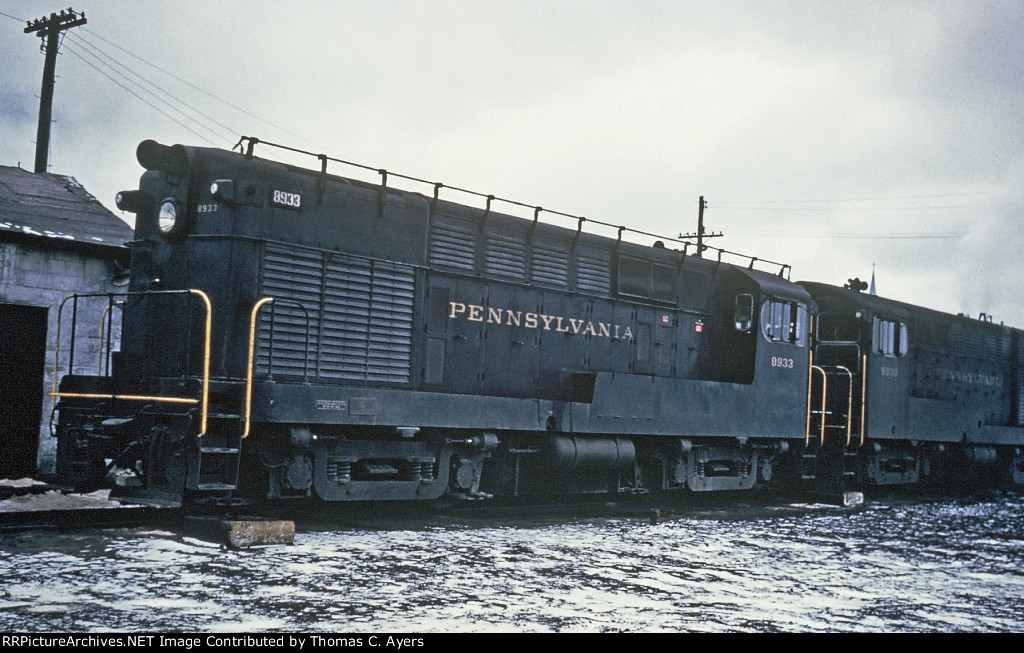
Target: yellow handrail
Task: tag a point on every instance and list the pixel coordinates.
(849, 405)
(249, 367)
(56, 353)
(87, 395)
(863, 394)
(204, 400)
(810, 378)
(206, 359)
(824, 390)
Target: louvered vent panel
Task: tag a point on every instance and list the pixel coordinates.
(1005, 346)
(297, 276)
(550, 264)
(956, 339)
(506, 255)
(452, 243)
(1020, 385)
(988, 344)
(361, 317)
(593, 273)
(1020, 407)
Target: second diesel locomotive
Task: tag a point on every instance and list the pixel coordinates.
(290, 334)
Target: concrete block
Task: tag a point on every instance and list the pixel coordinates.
(242, 532)
(851, 499)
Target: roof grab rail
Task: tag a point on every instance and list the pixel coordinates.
(437, 189)
(682, 258)
(533, 225)
(381, 192)
(579, 230)
(322, 179)
(487, 211)
(253, 141)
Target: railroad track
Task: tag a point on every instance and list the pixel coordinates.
(76, 518)
(34, 505)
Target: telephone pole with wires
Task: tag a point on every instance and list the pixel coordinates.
(49, 30)
(701, 234)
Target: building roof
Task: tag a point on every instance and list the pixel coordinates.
(56, 206)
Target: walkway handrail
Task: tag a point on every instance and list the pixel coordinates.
(825, 370)
(824, 388)
(203, 400)
(863, 394)
(849, 403)
(251, 143)
(250, 365)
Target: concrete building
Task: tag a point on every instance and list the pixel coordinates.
(55, 240)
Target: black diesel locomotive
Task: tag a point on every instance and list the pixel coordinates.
(290, 334)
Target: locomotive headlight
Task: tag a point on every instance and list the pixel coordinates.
(168, 217)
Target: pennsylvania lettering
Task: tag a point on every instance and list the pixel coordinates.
(527, 320)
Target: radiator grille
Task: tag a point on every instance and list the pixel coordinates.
(360, 316)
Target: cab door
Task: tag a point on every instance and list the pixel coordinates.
(889, 373)
(837, 378)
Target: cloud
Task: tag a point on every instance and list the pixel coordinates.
(806, 125)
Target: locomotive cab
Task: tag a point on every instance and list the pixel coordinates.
(933, 397)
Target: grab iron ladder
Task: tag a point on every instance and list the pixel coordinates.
(830, 416)
(216, 461)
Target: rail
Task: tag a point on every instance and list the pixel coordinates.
(106, 320)
(824, 393)
(863, 394)
(203, 401)
(825, 370)
(849, 402)
(250, 364)
(251, 142)
(810, 379)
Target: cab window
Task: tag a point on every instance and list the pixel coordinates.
(784, 322)
(890, 337)
(838, 327)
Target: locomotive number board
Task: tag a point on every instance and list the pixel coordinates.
(286, 200)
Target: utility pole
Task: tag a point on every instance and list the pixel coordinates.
(49, 30)
(701, 235)
(701, 205)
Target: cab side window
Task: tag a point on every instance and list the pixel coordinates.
(784, 322)
(890, 337)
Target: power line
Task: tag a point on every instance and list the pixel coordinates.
(175, 102)
(204, 91)
(144, 100)
(856, 199)
(865, 236)
(835, 209)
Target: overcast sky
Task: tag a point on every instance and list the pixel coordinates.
(827, 135)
